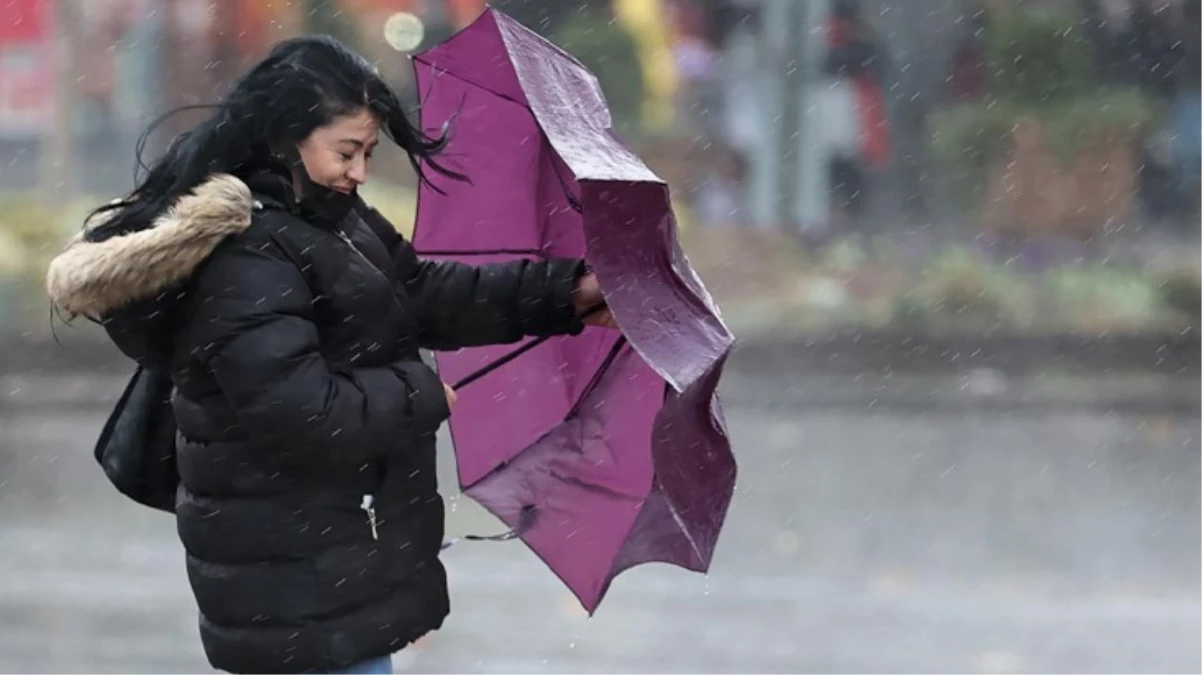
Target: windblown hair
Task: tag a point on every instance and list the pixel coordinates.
(303, 84)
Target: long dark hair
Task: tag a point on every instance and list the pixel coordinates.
(303, 84)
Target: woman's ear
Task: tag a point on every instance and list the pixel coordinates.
(288, 156)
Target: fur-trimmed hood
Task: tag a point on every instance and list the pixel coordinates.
(96, 278)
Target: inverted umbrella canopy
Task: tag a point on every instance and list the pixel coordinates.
(604, 450)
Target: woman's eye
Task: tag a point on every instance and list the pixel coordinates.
(346, 157)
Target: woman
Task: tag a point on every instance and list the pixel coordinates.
(289, 316)
(855, 64)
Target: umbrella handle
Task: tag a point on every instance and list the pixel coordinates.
(528, 513)
(486, 369)
(526, 517)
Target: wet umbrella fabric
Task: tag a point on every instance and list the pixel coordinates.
(608, 449)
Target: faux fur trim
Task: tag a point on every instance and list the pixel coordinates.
(96, 278)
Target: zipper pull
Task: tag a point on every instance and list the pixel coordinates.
(367, 507)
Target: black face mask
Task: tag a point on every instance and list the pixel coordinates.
(317, 204)
(320, 205)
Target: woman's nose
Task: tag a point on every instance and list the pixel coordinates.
(358, 172)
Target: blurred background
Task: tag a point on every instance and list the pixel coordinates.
(959, 243)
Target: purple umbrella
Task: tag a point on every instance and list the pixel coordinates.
(604, 450)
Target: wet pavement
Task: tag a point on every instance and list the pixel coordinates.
(867, 535)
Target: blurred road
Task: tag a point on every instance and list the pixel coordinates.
(867, 536)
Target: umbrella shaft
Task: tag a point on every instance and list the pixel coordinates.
(484, 370)
(477, 374)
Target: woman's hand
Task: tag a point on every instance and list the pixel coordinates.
(586, 298)
(452, 397)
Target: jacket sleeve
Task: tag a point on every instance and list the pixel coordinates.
(254, 329)
(461, 305)
(464, 305)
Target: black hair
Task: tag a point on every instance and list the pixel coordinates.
(303, 84)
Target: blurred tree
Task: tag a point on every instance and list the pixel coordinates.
(325, 17)
(1047, 151)
(544, 17)
(606, 48)
(1035, 57)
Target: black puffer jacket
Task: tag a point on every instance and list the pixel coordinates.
(292, 335)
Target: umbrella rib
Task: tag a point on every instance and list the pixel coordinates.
(573, 201)
(488, 368)
(529, 513)
(442, 71)
(596, 378)
(502, 360)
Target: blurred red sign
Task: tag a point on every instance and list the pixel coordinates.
(24, 20)
(26, 68)
(463, 12)
(385, 5)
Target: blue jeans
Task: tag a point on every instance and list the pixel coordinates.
(377, 666)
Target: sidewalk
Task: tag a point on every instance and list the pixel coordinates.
(841, 372)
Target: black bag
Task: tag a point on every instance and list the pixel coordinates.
(136, 448)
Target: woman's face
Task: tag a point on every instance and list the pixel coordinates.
(337, 155)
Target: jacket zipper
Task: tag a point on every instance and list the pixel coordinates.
(371, 265)
(368, 506)
(369, 500)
